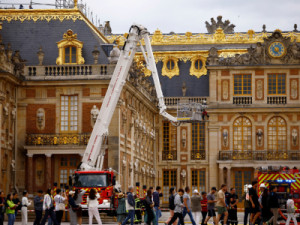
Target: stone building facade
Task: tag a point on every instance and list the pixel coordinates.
(250, 82)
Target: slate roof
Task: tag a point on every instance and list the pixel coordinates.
(28, 36)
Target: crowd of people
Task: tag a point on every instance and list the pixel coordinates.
(261, 206)
(49, 208)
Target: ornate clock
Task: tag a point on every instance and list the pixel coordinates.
(277, 49)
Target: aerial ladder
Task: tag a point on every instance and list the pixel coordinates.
(92, 161)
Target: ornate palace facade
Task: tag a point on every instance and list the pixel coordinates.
(49, 103)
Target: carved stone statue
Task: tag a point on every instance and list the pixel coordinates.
(183, 88)
(94, 115)
(259, 134)
(40, 55)
(13, 113)
(225, 138)
(3, 57)
(294, 89)
(40, 118)
(107, 28)
(294, 137)
(213, 58)
(114, 55)
(259, 89)
(19, 63)
(226, 26)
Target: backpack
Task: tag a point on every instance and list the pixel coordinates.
(290, 208)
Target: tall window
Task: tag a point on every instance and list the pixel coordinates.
(242, 134)
(276, 84)
(198, 180)
(169, 141)
(241, 178)
(242, 84)
(277, 139)
(169, 180)
(67, 167)
(198, 141)
(70, 54)
(69, 113)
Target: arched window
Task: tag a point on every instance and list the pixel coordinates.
(277, 137)
(242, 134)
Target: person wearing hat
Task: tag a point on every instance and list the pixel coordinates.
(121, 210)
(196, 205)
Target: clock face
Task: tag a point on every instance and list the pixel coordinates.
(276, 49)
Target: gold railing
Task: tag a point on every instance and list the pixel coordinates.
(259, 155)
(57, 139)
(198, 155)
(169, 155)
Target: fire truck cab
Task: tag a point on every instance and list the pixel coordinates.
(287, 182)
(102, 181)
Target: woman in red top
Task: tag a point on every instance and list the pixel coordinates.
(203, 206)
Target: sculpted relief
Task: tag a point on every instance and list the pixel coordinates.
(259, 89)
(225, 92)
(294, 89)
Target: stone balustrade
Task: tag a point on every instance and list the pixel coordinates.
(174, 101)
(32, 72)
(259, 155)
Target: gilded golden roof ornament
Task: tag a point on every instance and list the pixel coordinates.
(69, 35)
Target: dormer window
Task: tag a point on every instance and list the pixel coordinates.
(69, 49)
(170, 67)
(70, 54)
(198, 67)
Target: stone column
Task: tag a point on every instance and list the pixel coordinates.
(213, 143)
(48, 170)
(30, 173)
(221, 176)
(228, 177)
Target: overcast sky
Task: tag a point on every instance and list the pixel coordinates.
(181, 16)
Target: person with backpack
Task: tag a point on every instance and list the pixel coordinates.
(48, 206)
(10, 209)
(171, 205)
(130, 205)
(59, 205)
(290, 206)
(25, 204)
(121, 210)
(178, 211)
(78, 199)
(2, 207)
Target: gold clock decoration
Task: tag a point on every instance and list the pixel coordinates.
(277, 49)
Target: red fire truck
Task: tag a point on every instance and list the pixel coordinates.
(287, 182)
(103, 182)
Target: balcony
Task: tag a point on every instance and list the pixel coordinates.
(57, 139)
(259, 155)
(242, 100)
(174, 101)
(276, 100)
(79, 71)
(169, 155)
(198, 155)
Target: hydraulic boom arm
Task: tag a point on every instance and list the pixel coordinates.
(94, 151)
